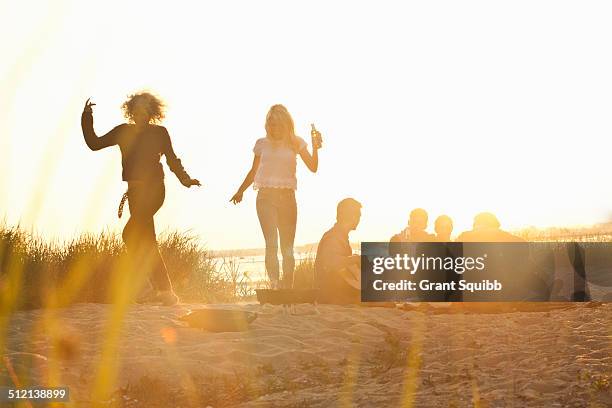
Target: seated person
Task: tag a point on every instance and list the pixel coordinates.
(486, 228)
(444, 228)
(337, 270)
(415, 232)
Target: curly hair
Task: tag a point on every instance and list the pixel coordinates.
(154, 105)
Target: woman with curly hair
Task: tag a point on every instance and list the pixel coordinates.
(273, 175)
(142, 143)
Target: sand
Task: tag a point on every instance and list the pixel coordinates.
(344, 356)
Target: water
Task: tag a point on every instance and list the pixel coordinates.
(252, 267)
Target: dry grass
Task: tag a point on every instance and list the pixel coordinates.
(32, 271)
(303, 277)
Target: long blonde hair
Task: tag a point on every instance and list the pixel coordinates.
(280, 114)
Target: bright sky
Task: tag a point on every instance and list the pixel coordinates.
(457, 107)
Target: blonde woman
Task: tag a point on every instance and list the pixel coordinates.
(142, 143)
(273, 175)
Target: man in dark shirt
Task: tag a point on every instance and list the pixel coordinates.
(337, 270)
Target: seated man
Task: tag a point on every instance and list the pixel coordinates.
(415, 232)
(486, 228)
(337, 270)
(444, 228)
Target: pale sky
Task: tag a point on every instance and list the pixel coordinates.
(456, 107)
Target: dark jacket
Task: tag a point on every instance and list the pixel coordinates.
(141, 149)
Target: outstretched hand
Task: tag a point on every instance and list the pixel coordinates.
(88, 106)
(192, 182)
(236, 198)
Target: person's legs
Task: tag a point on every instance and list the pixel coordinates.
(128, 232)
(287, 220)
(267, 212)
(136, 247)
(139, 234)
(159, 276)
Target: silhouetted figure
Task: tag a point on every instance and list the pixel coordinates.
(415, 231)
(486, 228)
(510, 264)
(273, 175)
(576, 254)
(337, 270)
(444, 228)
(142, 143)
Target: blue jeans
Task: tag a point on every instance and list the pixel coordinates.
(277, 213)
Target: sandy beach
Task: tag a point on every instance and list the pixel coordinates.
(344, 356)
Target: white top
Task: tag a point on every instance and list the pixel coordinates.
(277, 163)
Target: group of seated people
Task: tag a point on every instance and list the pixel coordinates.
(338, 270)
(486, 228)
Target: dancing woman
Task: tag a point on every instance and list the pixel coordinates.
(142, 143)
(273, 175)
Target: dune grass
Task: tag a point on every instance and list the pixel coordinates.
(303, 277)
(32, 270)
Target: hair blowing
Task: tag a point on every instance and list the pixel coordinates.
(154, 106)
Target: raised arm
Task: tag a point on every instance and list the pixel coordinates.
(248, 180)
(311, 160)
(174, 163)
(91, 139)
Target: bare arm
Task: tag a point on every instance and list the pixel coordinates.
(91, 139)
(311, 160)
(248, 180)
